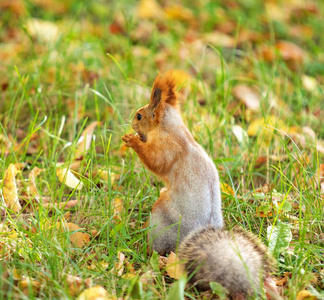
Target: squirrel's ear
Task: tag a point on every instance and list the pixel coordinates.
(156, 99)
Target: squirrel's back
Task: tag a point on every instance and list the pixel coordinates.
(235, 259)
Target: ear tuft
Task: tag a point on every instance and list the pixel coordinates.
(156, 97)
(164, 88)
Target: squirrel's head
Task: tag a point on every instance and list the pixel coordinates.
(163, 95)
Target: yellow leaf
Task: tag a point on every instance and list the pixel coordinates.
(118, 208)
(174, 268)
(104, 175)
(31, 189)
(78, 238)
(150, 9)
(95, 293)
(266, 126)
(25, 285)
(226, 189)
(10, 190)
(119, 267)
(305, 295)
(85, 140)
(66, 176)
(178, 12)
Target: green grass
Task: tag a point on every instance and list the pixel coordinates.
(50, 91)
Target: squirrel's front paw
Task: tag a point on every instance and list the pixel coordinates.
(131, 140)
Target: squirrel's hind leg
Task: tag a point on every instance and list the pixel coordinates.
(163, 235)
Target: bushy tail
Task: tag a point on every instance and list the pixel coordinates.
(235, 259)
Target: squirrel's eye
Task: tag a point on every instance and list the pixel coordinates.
(139, 117)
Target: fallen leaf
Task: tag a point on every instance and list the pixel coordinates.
(10, 190)
(85, 140)
(78, 238)
(150, 9)
(309, 83)
(179, 12)
(118, 208)
(16, 6)
(266, 127)
(261, 160)
(162, 262)
(174, 268)
(67, 177)
(62, 205)
(104, 175)
(225, 188)
(218, 38)
(292, 54)
(249, 96)
(31, 188)
(95, 293)
(305, 295)
(26, 284)
(119, 267)
(42, 30)
(240, 134)
(76, 284)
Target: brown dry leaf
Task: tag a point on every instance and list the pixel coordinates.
(249, 96)
(31, 189)
(282, 282)
(290, 51)
(95, 293)
(78, 238)
(174, 268)
(62, 205)
(76, 284)
(16, 6)
(85, 140)
(261, 160)
(10, 190)
(163, 262)
(67, 177)
(150, 9)
(305, 295)
(292, 54)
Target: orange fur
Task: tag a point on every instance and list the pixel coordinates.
(166, 83)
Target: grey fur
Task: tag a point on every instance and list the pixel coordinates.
(196, 200)
(235, 259)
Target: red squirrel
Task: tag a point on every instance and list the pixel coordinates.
(188, 211)
(191, 198)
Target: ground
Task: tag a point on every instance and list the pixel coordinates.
(74, 199)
